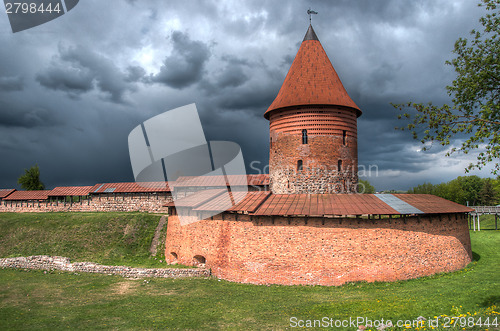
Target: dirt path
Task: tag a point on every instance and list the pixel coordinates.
(154, 244)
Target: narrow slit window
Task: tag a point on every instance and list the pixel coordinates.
(299, 165)
(340, 165)
(304, 136)
(344, 136)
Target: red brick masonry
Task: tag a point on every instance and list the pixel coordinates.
(321, 251)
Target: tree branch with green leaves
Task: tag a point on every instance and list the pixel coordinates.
(475, 109)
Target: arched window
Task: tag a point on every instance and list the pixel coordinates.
(344, 136)
(299, 165)
(340, 165)
(304, 136)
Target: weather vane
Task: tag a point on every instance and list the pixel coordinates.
(310, 12)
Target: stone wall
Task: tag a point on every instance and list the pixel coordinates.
(321, 251)
(105, 202)
(326, 163)
(44, 262)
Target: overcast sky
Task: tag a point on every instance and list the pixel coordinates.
(71, 90)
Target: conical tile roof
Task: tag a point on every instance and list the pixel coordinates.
(311, 80)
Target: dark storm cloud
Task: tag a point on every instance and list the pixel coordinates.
(234, 60)
(14, 115)
(185, 65)
(232, 73)
(257, 96)
(243, 84)
(135, 74)
(231, 77)
(231, 59)
(80, 70)
(11, 83)
(391, 10)
(72, 80)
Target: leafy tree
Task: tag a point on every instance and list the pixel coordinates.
(454, 190)
(487, 193)
(461, 190)
(496, 188)
(425, 188)
(364, 186)
(475, 94)
(30, 181)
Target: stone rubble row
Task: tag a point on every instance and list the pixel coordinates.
(50, 263)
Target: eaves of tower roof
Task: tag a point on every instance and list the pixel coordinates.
(311, 80)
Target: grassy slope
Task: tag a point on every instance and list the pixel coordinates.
(107, 238)
(60, 300)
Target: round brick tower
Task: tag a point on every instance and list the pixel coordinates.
(313, 127)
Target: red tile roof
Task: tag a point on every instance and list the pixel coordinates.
(431, 204)
(28, 195)
(70, 191)
(132, 187)
(265, 203)
(258, 180)
(5, 192)
(311, 80)
(222, 202)
(211, 181)
(198, 198)
(251, 202)
(323, 204)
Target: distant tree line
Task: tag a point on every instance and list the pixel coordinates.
(473, 189)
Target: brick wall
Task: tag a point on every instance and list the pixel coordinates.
(331, 137)
(104, 202)
(321, 251)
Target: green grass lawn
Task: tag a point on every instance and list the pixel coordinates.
(56, 300)
(106, 238)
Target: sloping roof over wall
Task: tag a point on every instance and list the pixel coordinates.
(132, 187)
(431, 204)
(267, 204)
(222, 201)
(323, 204)
(5, 192)
(251, 202)
(198, 198)
(28, 195)
(62, 191)
(211, 181)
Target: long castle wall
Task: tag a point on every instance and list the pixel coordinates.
(104, 202)
(321, 251)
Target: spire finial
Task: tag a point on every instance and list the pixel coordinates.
(310, 12)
